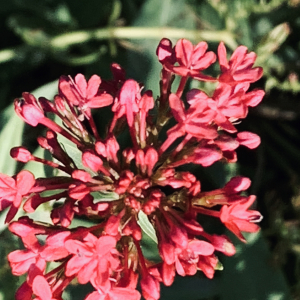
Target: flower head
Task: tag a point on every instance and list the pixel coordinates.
(131, 179)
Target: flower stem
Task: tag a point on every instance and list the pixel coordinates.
(64, 41)
(181, 86)
(208, 212)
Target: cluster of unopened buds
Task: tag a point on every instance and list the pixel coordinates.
(129, 190)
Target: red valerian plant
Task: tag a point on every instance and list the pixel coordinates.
(130, 190)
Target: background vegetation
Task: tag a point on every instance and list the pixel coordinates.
(41, 40)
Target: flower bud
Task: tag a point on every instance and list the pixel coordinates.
(21, 154)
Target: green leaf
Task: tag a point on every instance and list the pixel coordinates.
(78, 222)
(34, 167)
(156, 13)
(192, 288)
(149, 242)
(3, 225)
(76, 155)
(250, 275)
(146, 226)
(104, 196)
(11, 127)
(91, 13)
(150, 248)
(9, 282)
(48, 90)
(73, 152)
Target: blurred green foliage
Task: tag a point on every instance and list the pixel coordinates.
(41, 40)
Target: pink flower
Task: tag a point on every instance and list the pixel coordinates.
(27, 230)
(186, 259)
(221, 243)
(127, 102)
(41, 288)
(108, 149)
(21, 154)
(112, 292)
(146, 103)
(205, 156)
(150, 287)
(191, 59)
(93, 162)
(237, 217)
(115, 294)
(239, 67)
(207, 265)
(233, 103)
(64, 214)
(36, 255)
(195, 122)
(165, 52)
(92, 257)
(12, 191)
(84, 94)
(146, 160)
(21, 260)
(227, 195)
(248, 139)
(29, 110)
(183, 260)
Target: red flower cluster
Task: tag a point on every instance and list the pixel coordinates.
(123, 188)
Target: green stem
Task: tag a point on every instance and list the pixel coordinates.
(64, 41)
